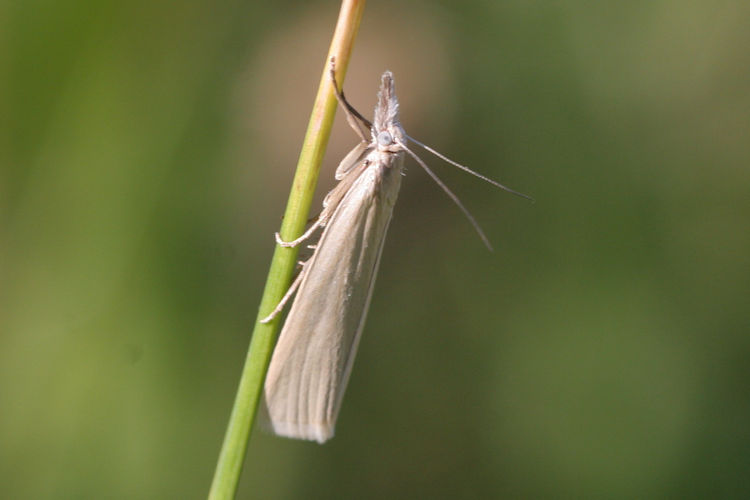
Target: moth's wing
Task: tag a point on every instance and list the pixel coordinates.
(353, 158)
(312, 360)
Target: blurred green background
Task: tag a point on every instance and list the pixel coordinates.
(601, 351)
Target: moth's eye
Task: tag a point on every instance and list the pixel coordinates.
(385, 138)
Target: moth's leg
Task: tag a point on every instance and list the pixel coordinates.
(355, 119)
(291, 244)
(288, 295)
(314, 218)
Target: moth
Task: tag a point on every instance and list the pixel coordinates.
(313, 357)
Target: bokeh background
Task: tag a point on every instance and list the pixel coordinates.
(602, 350)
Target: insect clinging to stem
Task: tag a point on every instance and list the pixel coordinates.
(313, 357)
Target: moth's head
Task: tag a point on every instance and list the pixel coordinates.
(386, 128)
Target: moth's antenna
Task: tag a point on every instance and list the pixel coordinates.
(450, 194)
(467, 169)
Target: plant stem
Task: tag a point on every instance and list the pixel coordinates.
(244, 411)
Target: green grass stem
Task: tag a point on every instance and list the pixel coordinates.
(244, 411)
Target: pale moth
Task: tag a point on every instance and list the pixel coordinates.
(313, 358)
